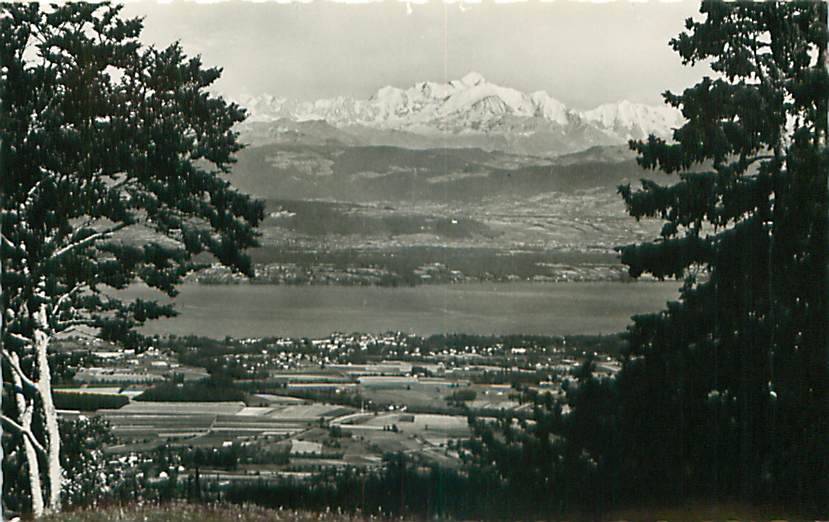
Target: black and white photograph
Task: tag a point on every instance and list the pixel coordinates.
(363, 260)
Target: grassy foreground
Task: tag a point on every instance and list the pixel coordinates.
(182, 512)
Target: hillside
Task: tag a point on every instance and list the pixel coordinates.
(391, 215)
(384, 173)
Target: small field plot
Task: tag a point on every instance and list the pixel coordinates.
(255, 425)
(255, 411)
(418, 395)
(308, 412)
(305, 447)
(183, 408)
(492, 392)
(479, 405)
(94, 390)
(450, 424)
(382, 442)
(275, 400)
(144, 426)
(423, 424)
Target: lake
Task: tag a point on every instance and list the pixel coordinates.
(312, 311)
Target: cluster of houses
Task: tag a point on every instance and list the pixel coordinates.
(438, 272)
(118, 366)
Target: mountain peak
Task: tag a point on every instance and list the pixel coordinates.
(477, 113)
(472, 79)
(634, 120)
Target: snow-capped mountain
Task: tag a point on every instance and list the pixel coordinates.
(470, 112)
(634, 120)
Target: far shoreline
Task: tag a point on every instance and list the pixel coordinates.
(260, 310)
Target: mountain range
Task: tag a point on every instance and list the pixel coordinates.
(466, 113)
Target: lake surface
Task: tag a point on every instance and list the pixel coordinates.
(311, 311)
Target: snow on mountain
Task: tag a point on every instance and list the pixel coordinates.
(634, 120)
(473, 110)
(423, 103)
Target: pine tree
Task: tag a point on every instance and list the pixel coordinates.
(114, 158)
(725, 392)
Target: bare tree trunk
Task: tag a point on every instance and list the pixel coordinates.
(44, 387)
(26, 410)
(2, 332)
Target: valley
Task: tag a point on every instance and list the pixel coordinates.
(395, 217)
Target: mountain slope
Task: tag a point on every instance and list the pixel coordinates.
(379, 173)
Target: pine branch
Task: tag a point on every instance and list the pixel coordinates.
(759, 158)
(14, 364)
(31, 192)
(7, 243)
(62, 299)
(88, 240)
(10, 423)
(18, 337)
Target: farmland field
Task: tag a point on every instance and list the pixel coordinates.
(490, 309)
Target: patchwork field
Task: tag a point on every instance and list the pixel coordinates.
(202, 423)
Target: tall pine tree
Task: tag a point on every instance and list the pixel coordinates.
(113, 163)
(725, 392)
(723, 395)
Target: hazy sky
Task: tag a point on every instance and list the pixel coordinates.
(583, 54)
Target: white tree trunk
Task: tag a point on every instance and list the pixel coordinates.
(26, 409)
(2, 345)
(2, 331)
(35, 483)
(50, 414)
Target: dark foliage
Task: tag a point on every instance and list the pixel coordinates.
(725, 392)
(722, 396)
(112, 170)
(212, 389)
(113, 156)
(88, 401)
(402, 487)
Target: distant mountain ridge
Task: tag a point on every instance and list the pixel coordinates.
(470, 112)
(363, 174)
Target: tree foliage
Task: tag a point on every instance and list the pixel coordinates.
(114, 163)
(736, 369)
(722, 395)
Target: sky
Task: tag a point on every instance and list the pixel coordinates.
(583, 54)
